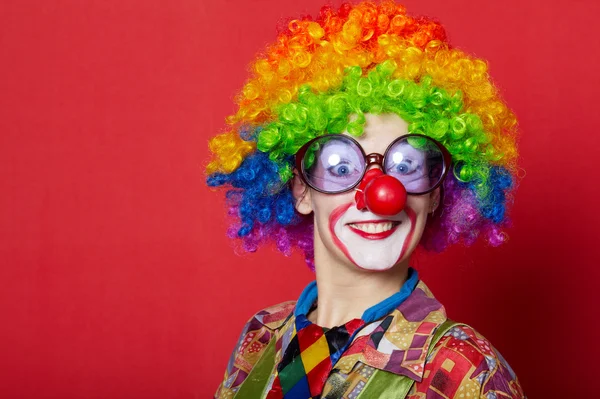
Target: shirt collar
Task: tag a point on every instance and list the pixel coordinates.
(309, 297)
(399, 342)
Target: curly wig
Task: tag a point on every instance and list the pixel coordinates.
(365, 58)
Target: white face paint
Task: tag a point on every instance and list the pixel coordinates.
(372, 242)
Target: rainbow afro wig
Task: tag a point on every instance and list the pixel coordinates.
(365, 58)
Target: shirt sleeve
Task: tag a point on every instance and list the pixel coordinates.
(500, 380)
(465, 365)
(252, 341)
(225, 389)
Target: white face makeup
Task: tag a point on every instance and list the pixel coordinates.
(369, 241)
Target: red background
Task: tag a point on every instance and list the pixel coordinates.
(116, 278)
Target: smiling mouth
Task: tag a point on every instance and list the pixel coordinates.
(374, 230)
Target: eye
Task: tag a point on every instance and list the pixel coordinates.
(405, 167)
(341, 170)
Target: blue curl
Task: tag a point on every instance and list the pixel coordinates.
(254, 195)
(494, 207)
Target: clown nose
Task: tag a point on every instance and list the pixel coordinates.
(385, 196)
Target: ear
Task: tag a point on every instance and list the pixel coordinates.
(434, 199)
(301, 193)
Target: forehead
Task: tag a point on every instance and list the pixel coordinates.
(380, 130)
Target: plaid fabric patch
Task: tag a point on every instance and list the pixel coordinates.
(309, 357)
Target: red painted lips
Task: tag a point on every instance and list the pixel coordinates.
(372, 235)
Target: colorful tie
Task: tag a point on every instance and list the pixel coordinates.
(309, 358)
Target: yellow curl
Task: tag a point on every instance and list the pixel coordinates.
(229, 150)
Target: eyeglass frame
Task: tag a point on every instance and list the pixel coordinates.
(373, 158)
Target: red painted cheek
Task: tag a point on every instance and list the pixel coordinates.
(412, 216)
(333, 219)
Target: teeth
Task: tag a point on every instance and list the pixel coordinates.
(373, 228)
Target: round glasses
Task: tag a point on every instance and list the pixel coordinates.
(335, 163)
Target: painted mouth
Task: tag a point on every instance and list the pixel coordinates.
(375, 229)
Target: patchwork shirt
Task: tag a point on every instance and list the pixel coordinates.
(463, 364)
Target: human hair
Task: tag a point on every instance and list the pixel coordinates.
(365, 58)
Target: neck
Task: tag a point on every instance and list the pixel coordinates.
(345, 291)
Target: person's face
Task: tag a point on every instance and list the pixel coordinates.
(361, 238)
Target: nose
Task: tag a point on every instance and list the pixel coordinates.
(374, 166)
(381, 194)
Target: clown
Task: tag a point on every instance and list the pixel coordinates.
(361, 135)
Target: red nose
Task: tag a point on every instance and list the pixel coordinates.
(381, 194)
